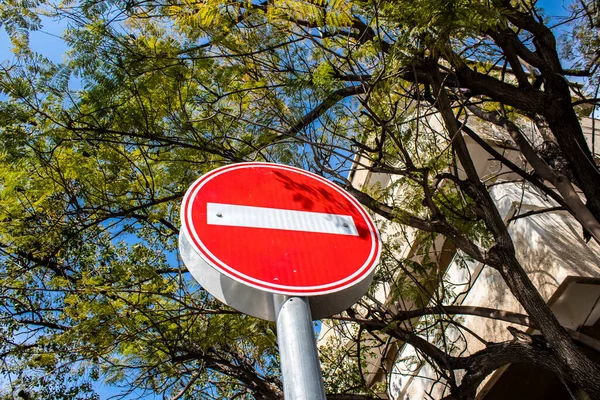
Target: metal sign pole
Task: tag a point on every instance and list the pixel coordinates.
(300, 368)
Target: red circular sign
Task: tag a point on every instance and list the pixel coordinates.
(280, 229)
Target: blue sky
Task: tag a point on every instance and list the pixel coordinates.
(46, 41)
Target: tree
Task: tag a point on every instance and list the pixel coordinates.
(92, 177)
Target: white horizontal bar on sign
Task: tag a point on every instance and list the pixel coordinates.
(276, 218)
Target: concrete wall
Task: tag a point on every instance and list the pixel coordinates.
(550, 247)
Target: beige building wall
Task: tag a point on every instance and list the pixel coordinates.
(550, 247)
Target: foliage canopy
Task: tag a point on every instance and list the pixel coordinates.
(97, 151)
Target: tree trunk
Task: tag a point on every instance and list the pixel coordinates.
(566, 127)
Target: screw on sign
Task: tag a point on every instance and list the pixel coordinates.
(281, 244)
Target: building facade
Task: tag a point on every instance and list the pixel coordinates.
(550, 246)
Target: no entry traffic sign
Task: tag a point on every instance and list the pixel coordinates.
(268, 228)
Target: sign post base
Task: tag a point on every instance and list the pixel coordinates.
(300, 367)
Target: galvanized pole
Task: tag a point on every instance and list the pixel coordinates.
(300, 368)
